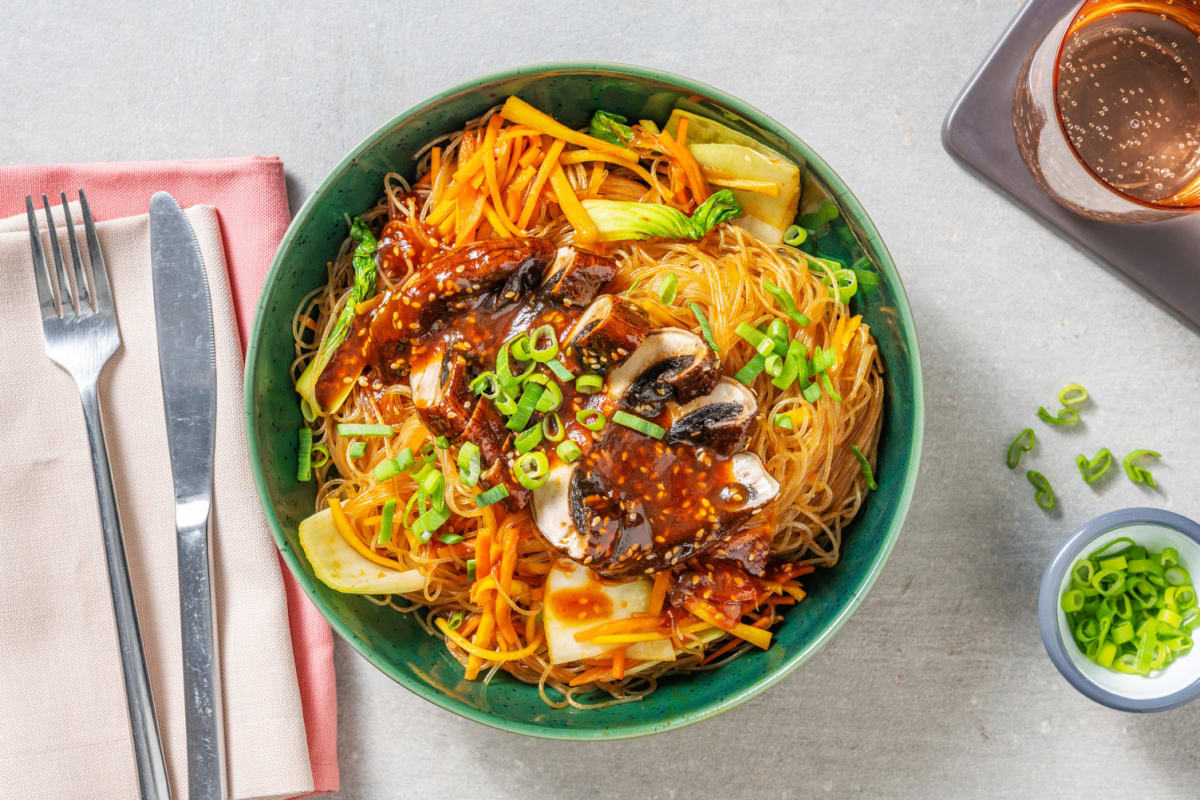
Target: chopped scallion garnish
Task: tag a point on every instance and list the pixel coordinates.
(1044, 496)
(455, 622)
(640, 425)
(812, 392)
(668, 288)
(868, 474)
(531, 469)
(757, 339)
(304, 454)
(387, 469)
(588, 384)
(1066, 416)
(450, 538)
(751, 369)
(356, 449)
(590, 418)
(362, 429)
(1092, 469)
(705, 328)
(528, 439)
(784, 301)
(530, 395)
(385, 520)
(552, 427)
(1140, 474)
(544, 343)
(471, 563)
(468, 464)
(560, 371)
(1024, 442)
(795, 235)
(784, 421)
(1072, 395)
(492, 495)
(568, 451)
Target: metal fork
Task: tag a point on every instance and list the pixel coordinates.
(79, 324)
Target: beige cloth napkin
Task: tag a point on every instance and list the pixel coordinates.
(64, 731)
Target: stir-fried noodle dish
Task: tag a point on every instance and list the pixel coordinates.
(581, 402)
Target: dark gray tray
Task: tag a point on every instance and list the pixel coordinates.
(1162, 258)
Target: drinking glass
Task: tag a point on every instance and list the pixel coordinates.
(1107, 110)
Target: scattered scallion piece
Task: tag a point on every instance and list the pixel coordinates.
(590, 418)
(486, 385)
(528, 439)
(795, 235)
(492, 495)
(632, 286)
(450, 538)
(544, 343)
(773, 365)
(363, 429)
(1066, 416)
(588, 384)
(827, 385)
(822, 360)
(320, 456)
(784, 301)
(640, 425)
(1072, 395)
(705, 328)
(304, 454)
(551, 397)
(470, 569)
(868, 474)
(404, 459)
(568, 451)
(530, 395)
(508, 380)
(560, 371)
(428, 451)
(430, 521)
(827, 211)
(778, 331)
(385, 520)
(1092, 469)
(792, 363)
(387, 469)
(455, 622)
(552, 427)
(469, 463)
(783, 421)
(356, 449)
(1024, 442)
(1044, 496)
(812, 392)
(1140, 474)
(442, 443)
(668, 288)
(531, 469)
(758, 340)
(751, 369)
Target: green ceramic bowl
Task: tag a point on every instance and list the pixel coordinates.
(394, 642)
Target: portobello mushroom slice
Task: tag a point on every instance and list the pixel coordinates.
(441, 392)
(576, 276)
(670, 365)
(721, 419)
(606, 334)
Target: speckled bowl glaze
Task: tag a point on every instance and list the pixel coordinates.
(393, 641)
(1179, 682)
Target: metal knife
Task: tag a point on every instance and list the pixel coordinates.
(187, 363)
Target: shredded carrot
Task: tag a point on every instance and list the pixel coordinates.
(308, 323)
(630, 638)
(518, 111)
(508, 560)
(681, 131)
(618, 665)
(687, 163)
(532, 154)
(543, 174)
(591, 675)
(482, 652)
(468, 627)
(576, 214)
(756, 636)
(342, 523)
(435, 161)
(658, 595)
(627, 625)
(489, 171)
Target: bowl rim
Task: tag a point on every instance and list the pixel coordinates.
(1047, 608)
(874, 245)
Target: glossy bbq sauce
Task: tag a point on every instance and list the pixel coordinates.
(581, 603)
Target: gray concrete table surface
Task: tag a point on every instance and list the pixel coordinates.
(938, 686)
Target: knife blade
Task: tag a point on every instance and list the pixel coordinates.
(187, 367)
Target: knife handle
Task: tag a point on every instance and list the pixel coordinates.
(201, 664)
(147, 746)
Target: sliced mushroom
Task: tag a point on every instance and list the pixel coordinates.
(721, 419)
(441, 393)
(576, 276)
(606, 334)
(670, 365)
(633, 504)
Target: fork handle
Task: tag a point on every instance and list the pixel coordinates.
(147, 746)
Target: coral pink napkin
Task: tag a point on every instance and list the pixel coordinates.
(250, 196)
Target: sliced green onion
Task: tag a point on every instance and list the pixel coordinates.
(531, 469)
(551, 398)
(530, 395)
(868, 474)
(320, 456)
(1024, 442)
(668, 288)
(528, 439)
(1044, 496)
(795, 235)
(404, 459)
(822, 360)
(640, 425)
(1066, 416)
(568, 451)
(785, 301)
(360, 429)
(419, 503)
(442, 443)
(356, 449)
(777, 329)
(847, 284)
(1092, 469)
(522, 347)
(773, 365)
(1140, 474)
(430, 521)
(1072, 395)
(632, 286)
(492, 495)
(590, 418)
(552, 427)
(812, 392)
(385, 520)
(506, 404)
(304, 454)
(1168, 557)
(560, 371)
(386, 469)
(792, 362)
(428, 451)
(434, 484)
(1176, 575)
(486, 385)
(469, 463)
(783, 421)
(705, 329)
(751, 369)
(1072, 601)
(450, 538)
(471, 567)
(588, 384)
(1118, 562)
(757, 339)
(504, 374)
(455, 621)
(827, 384)
(545, 343)
(827, 211)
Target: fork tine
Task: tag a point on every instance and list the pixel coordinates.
(81, 281)
(102, 290)
(64, 285)
(41, 273)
